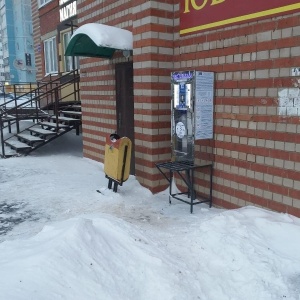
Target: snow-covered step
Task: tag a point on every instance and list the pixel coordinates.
(65, 119)
(41, 131)
(53, 125)
(72, 112)
(8, 152)
(75, 106)
(6, 118)
(30, 138)
(17, 145)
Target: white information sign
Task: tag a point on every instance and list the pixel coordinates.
(204, 105)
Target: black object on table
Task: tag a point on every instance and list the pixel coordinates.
(185, 170)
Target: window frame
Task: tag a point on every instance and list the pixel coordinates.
(50, 56)
(40, 4)
(68, 60)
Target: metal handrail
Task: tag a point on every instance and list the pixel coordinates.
(39, 92)
(40, 88)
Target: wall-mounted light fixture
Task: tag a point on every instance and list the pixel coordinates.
(126, 53)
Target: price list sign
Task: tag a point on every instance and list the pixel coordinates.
(204, 105)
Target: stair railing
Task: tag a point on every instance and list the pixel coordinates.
(2, 137)
(17, 117)
(56, 108)
(44, 90)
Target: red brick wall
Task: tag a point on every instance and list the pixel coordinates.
(257, 141)
(98, 79)
(45, 21)
(256, 149)
(49, 19)
(152, 59)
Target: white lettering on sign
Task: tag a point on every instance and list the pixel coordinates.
(68, 11)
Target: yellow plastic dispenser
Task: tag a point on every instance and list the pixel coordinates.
(117, 160)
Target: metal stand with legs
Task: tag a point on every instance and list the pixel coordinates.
(185, 170)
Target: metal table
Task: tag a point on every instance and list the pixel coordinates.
(185, 170)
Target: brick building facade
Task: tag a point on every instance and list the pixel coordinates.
(256, 145)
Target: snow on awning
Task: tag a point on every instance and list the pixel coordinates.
(98, 40)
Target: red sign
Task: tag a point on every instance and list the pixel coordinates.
(197, 15)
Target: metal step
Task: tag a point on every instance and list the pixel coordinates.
(8, 152)
(65, 119)
(30, 138)
(41, 131)
(72, 112)
(75, 106)
(53, 125)
(27, 113)
(17, 145)
(7, 118)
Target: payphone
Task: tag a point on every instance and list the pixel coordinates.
(192, 111)
(182, 116)
(191, 119)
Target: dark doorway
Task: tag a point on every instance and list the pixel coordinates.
(125, 105)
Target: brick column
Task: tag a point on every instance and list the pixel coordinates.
(153, 25)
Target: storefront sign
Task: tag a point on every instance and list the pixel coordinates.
(197, 15)
(68, 10)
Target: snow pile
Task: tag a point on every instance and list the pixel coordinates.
(60, 239)
(85, 259)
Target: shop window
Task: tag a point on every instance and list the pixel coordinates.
(43, 2)
(70, 63)
(50, 57)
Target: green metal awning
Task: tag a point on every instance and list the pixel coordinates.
(98, 40)
(83, 45)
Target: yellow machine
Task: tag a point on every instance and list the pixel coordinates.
(117, 160)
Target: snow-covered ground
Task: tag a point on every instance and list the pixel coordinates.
(60, 239)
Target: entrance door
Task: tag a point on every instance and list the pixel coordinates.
(125, 105)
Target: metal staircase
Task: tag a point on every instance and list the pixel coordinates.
(52, 109)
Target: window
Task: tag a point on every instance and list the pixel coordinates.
(43, 2)
(50, 55)
(69, 60)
